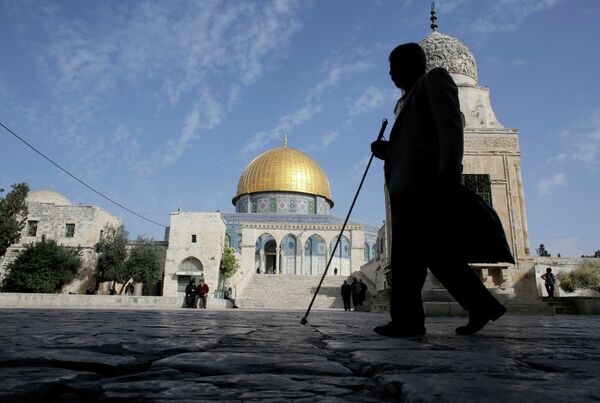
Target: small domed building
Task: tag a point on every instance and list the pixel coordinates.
(53, 216)
(282, 231)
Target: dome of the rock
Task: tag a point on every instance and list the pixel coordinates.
(284, 169)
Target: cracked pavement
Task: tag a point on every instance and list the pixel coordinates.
(242, 355)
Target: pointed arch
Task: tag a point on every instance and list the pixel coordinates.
(341, 256)
(265, 254)
(288, 254)
(315, 255)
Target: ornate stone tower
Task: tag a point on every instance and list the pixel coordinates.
(492, 165)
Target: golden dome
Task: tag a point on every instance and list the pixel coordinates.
(284, 169)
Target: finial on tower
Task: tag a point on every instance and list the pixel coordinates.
(433, 18)
(285, 140)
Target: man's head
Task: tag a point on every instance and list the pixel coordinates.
(548, 270)
(407, 64)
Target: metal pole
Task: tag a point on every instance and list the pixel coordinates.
(304, 320)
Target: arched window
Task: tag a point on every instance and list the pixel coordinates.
(366, 252)
(341, 256)
(191, 265)
(289, 251)
(315, 255)
(190, 268)
(265, 254)
(227, 240)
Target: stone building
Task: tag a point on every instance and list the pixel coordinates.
(492, 168)
(282, 228)
(51, 215)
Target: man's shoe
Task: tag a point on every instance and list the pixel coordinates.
(478, 321)
(390, 330)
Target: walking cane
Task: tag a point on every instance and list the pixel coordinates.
(304, 320)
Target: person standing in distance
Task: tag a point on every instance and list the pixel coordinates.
(423, 167)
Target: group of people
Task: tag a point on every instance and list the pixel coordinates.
(196, 296)
(357, 290)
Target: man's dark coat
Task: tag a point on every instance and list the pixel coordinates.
(426, 145)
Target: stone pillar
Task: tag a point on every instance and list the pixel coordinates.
(262, 262)
(277, 269)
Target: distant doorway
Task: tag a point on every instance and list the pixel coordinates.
(270, 260)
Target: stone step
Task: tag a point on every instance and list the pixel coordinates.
(291, 292)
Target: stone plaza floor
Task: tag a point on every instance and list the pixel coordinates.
(240, 355)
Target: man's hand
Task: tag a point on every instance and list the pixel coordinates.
(379, 149)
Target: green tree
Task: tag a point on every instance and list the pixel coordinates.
(13, 215)
(229, 264)
(541, 251)
(597, 253)
(112, 253)
(585, 277)
(146, 261)
(42, 267)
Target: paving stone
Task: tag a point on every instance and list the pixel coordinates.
(210, 363)
(34, 383)
(82, 359)
(267, 356)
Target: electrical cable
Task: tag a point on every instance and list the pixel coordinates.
(79, 180)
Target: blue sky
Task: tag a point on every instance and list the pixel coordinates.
(161, 105)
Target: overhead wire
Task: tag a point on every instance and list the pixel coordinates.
(79, 180)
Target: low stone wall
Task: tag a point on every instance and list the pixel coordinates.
(559, 265)
(25, 300)
(587, 305)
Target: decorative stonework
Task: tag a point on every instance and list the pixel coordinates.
(491, 143)
(450, 53)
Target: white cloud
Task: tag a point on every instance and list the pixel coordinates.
(325, 140)
(360, 166)
(583, 140)
(549, 185)
(333, 73)
(447, 6)
(329, 138)
(179, 51)
(507, 15)
(373, 98)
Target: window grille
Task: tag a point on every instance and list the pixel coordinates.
(69, 230)
(32, 228)
(480, 184)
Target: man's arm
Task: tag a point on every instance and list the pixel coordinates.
(445, 108)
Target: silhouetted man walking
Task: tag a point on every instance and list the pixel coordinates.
(436, 222)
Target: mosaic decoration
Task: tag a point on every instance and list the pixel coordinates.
(284, 203)
(314, 255)
(289, 248)
(240, 218)
(233, 236)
